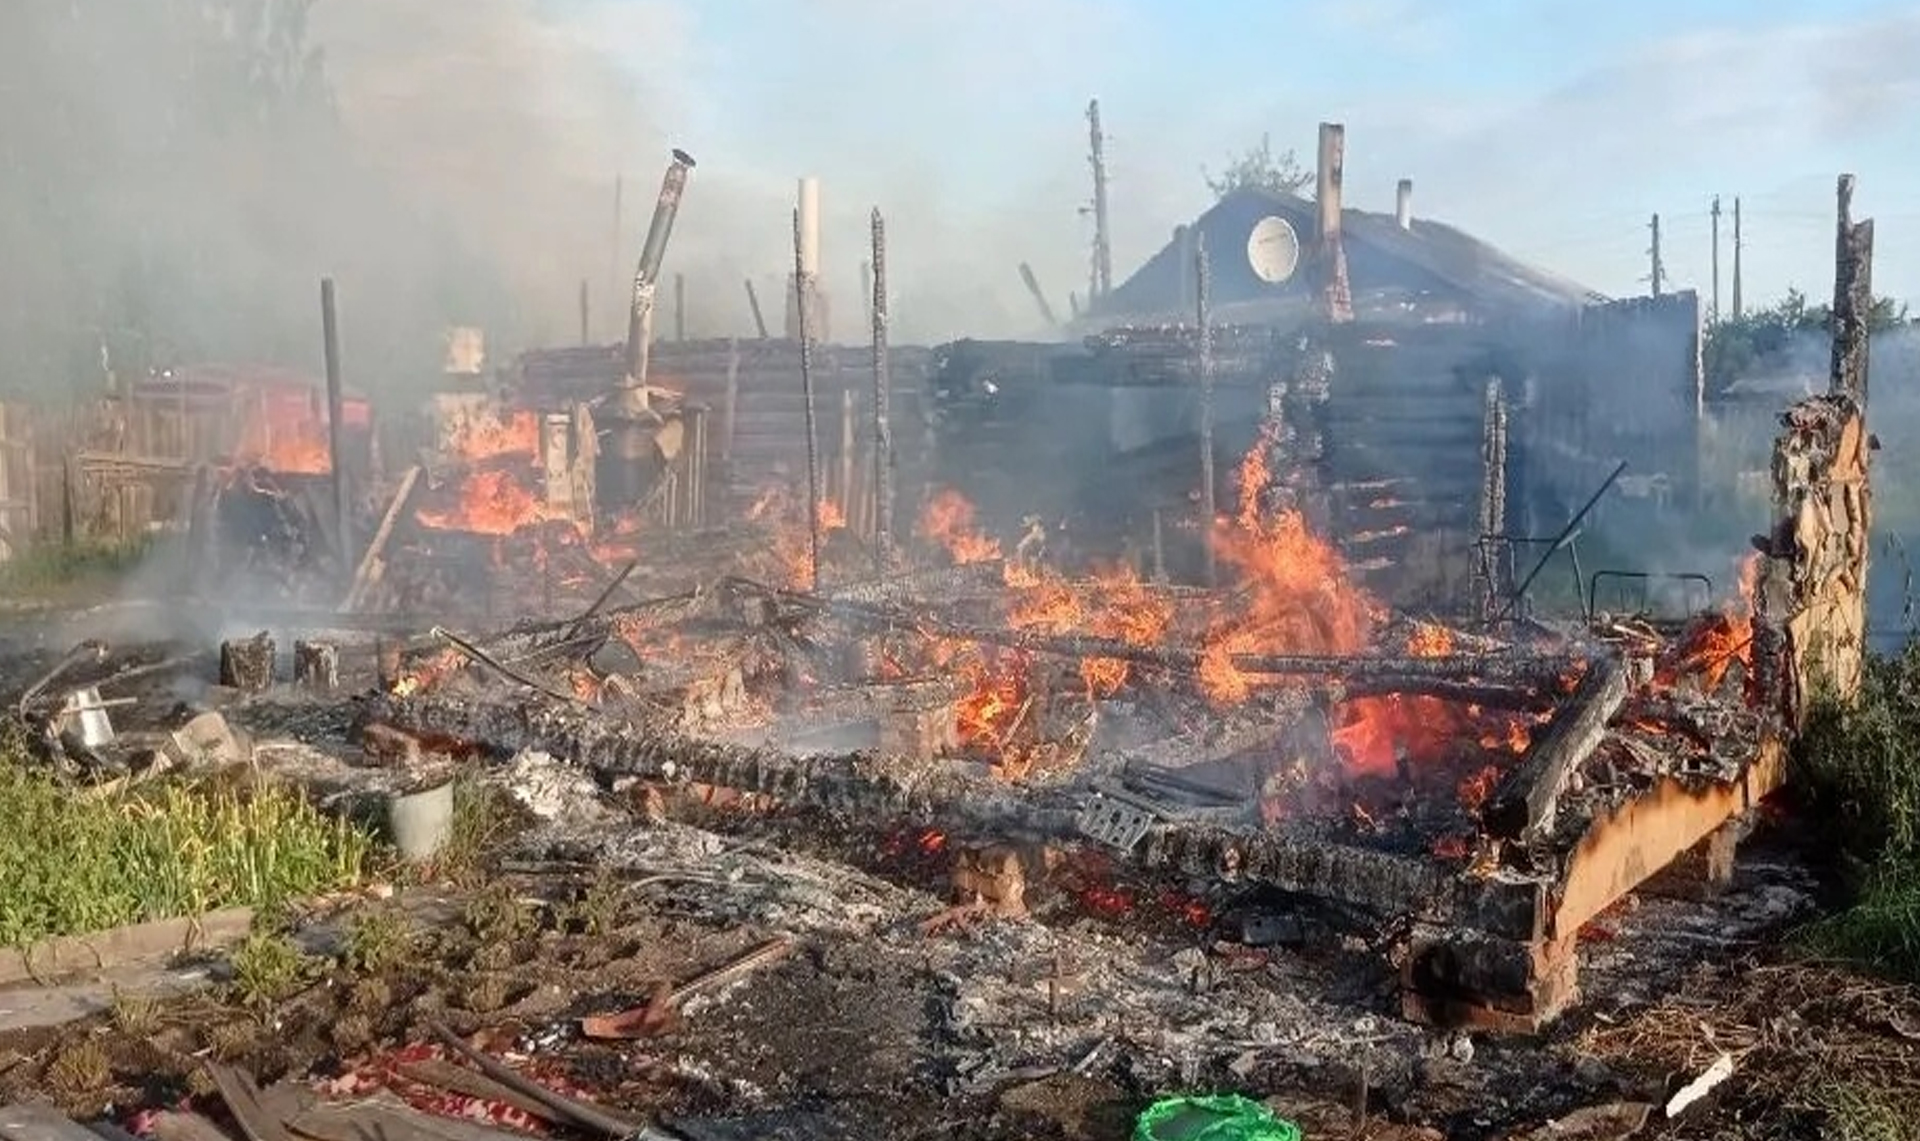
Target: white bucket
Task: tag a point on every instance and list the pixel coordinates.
(421, 822)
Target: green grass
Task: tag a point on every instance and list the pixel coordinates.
(56, 567)
(1880, 928)
(70, 865)
(1858, 766)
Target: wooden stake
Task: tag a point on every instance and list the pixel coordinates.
(882, 397)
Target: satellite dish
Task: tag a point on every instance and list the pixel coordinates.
(1273, 249)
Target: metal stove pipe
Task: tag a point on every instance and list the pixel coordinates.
(647, 273)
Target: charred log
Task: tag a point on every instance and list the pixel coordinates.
(1524, 804)
(864, 784)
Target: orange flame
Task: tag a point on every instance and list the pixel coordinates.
(947, 520)
(290, 445)
(1295, 598)
(489, 437)
(490, 502)
(1717, 641)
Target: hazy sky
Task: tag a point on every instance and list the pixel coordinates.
(1550, 128)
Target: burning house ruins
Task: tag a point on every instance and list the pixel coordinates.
(1231, 596)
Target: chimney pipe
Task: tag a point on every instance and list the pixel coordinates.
(1337, 295)
(1327, 179)
(647, 273)
(810, 227)
(1403, 204)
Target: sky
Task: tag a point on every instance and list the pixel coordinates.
(1551, 129)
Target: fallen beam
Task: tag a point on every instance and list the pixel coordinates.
(1523, 805)
(1382, 669)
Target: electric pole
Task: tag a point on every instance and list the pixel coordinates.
(1716, 258)
(1659, 270)
(1736, 259)
(1102, 252)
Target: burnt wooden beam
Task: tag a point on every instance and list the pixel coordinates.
(1387, 884)
(857, 783)
(1524, 803)
(1381, 669)
(869, 785)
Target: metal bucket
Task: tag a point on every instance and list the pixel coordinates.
(85, 715)
(421, 822)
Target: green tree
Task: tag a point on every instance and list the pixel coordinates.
(1260, 168)
(1737, 348)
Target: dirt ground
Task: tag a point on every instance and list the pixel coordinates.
(1062, 1025)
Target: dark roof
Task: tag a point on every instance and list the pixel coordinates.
(1384, 264)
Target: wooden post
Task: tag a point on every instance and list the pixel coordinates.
(1203, 275)
(1852, 297)
(801, 289)
(846, 454)
(882, 398)
(732, 398)
(1336, 296)
(336, 426)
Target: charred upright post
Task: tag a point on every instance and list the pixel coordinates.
(1102, 282)
(1203, 290)
(1852, 297)
(1810, 629)
(1492, 564)
(882, 391)
(336, 428)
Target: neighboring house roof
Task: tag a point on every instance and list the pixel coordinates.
(1386, 265)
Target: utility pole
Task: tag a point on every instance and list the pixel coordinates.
(1102, 251)
(1658, 269)
(1736, 259)
(1716, 258)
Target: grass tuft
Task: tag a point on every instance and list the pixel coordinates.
(1854, 1112)
(72, 866)
(54, 568)
(1860, 764)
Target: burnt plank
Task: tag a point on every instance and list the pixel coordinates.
(1525, 802)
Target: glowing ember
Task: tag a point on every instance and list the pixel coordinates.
(829, 516)
(948, 521)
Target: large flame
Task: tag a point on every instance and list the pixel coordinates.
(493, 501)
(1294, 597)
